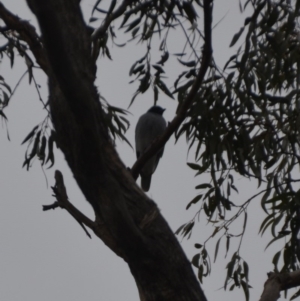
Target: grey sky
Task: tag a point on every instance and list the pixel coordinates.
(46, 255)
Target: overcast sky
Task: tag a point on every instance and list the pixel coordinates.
(46, 255)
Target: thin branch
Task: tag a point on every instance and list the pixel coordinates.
(39, 95)
(187, 40)
(14, 89)
(52, 206)
(183, 108)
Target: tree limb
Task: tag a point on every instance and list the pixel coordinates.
(27, 33)
(183, 108)
(279, 282)
(63, 202)
(271, 288)
(60, 194)
(127, 220)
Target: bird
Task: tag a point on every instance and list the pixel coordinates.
(149, 127)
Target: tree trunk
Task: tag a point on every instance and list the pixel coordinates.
(132, 225)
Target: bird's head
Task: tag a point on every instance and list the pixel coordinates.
(156, 110)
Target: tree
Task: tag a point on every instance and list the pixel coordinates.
(250, 115)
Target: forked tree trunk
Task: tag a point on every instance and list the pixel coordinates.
(132, 225)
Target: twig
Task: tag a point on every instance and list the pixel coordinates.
(179, 118)
(52, 206)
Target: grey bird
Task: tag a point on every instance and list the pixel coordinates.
(149, 127)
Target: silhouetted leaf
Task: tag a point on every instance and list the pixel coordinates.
(164, 58)
(3, 115)
(31, 134)
(188, 64)
(236, 37)
(217, 248)
(195, 200)
(203, 186)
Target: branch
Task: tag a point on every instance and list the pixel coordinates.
(183, 108)
(61, 196)
(271, 288)
(109, 18)
(62, 201)
(292, 280)
(27, 33)
(279, 282)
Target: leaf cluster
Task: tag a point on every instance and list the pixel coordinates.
(145, 19)
(39, 141)
(245, 120)
(116, 121)
(5, 96)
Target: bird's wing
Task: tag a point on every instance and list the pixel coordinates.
(149, 127)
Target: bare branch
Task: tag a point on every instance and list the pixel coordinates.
(52, 206)
(183, 108)
(60, 194)
(62, 201)
(56, 205)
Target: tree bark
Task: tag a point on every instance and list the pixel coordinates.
(279, 282)
(132, 225)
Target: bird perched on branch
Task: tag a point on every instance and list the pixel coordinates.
(149, 127)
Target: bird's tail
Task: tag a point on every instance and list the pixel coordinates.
(146, 181)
